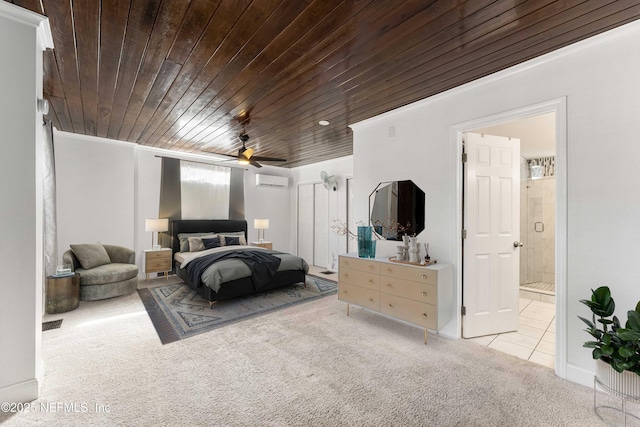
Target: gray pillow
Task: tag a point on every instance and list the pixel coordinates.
(91, 255)
(184, 239)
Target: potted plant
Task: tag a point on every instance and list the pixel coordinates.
(616, 348)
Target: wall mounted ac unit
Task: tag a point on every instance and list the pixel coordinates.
(271, 181)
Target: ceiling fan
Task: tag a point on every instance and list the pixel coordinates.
(245, 155)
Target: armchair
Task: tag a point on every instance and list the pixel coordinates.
(106, 271)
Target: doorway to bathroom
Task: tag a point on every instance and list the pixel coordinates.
(533, 335)
(537, 202)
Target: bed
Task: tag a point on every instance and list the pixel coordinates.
(229, 271)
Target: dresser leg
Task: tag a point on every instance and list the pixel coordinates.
(425, 337)
(347, 309)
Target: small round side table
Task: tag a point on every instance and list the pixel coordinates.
(63, 293)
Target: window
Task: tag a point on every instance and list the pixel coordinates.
(205, 191)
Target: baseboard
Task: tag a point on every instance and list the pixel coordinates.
(579, 375)
(450, 331)
(25, 391)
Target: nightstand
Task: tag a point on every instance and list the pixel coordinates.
(157, 261)
(266, 245)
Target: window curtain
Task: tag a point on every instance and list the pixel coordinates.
(204, 191)
(236, 198)
(49, 202)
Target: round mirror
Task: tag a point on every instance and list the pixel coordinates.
(397, 208)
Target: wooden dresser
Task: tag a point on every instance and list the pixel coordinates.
(416, 294)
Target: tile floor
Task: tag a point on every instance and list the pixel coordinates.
(535, 338)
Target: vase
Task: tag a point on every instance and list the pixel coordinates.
(372, 248)
(366, 243)
(413, 254)
(414, 250)
(405, 240)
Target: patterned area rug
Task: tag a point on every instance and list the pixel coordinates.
(178, 312)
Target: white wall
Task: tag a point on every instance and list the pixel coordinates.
(95, 191)
(599, 78)
(106, 190)
(271, 203)
(22, 39)
(342, 168)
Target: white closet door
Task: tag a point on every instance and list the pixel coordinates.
(305, 222)
(321, 227)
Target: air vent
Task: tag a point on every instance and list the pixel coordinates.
(54, 324)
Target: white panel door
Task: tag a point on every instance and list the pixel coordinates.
(492, 222)
(321, 227)
(305, 222)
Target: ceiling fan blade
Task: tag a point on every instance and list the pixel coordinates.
(268, 159)
(221, 154)
(252, 162)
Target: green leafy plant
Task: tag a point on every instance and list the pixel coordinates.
(615, 345)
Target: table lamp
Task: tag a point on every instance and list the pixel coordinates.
(260, 224)
(156, 225)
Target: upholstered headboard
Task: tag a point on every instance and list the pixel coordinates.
(203, 226)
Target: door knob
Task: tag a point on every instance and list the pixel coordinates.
(517, 244)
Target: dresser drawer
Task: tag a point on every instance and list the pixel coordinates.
(425, 315)
(363, 297)
(158, 255)
(360, 278)
(423, 292)
(416, 274)
(360, 264)
(157, 265)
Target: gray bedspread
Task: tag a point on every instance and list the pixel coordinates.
(226, 270)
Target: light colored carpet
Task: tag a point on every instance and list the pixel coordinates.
(305, 365)
(178, 312)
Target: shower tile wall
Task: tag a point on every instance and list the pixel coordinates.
(524, 183)
(538, 208)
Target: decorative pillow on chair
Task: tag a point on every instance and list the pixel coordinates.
(91, 255)
(214, 242)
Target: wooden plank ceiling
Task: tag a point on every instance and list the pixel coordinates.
(177, 74)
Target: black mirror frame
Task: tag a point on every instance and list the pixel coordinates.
(419, 225)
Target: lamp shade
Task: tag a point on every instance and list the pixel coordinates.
(261, 224)
(160, 224)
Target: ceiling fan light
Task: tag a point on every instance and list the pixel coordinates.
(248, 153)
(243, 160)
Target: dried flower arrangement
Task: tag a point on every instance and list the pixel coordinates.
(388, 228)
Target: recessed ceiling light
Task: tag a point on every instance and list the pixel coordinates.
(323, 123)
